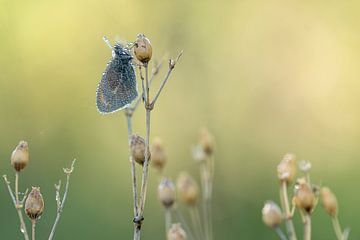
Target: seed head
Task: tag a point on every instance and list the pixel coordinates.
(206, 140)
(287, 168)
(20, 156)
(166, 193)
(176, 233)
(304, 196)
(137, 148)
(143, 49)
(158, 156)
(187, 189)
(34, 204)
(271, 214)
(329, 201)
(198, 154)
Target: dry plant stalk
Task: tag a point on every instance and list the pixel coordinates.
(33, 203)
(305, 198)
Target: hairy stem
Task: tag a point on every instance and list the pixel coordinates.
(307, 227)
(286, 208)
(61, 203)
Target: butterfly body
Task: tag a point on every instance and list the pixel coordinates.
(117, 88)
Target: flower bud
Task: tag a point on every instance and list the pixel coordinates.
(287, 168)
(304, 196)
(34, 204)
(166, 193)
(187, 189)
(329, 201)
(176, 233)
(137, 148)
(158, 156)
(20, 156)
(143, 49)
(206, 140)
(271, 214)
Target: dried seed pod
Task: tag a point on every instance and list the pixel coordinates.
(304, 196)
(176, 233)
(206, 140)
(287, 168)
(187, 189)
(271, 214)
(137, 148)
(198, 154)
(143, 49)
(20, 156)
(158, 156)
(34, 204)
(166, 193)
(329, 201)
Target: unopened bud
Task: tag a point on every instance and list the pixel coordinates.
(329, 201)
(187, 189)
(176, 233)
(143, 49)
(137, 148)
(158, 156)
(20, 156)
(271, 214)
(166, 193)
(206, 140)
(304, 196)
(287, 168)
(34, 204)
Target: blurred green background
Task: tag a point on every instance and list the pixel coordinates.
(266, 77)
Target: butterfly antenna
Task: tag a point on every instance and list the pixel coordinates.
(106, 40)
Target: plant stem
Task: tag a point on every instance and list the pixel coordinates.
(307, 227)
(62, 202)
(196, 223)
(286, 208)
(33, 227)
(280, 233)
(337, 227)
(167, 220)
(18, 206)
(183, 222)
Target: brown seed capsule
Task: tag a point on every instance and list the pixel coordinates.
(329, 201)
(187, 189)
(34, 204)
(137, 148)
(304, 196)
(158, 156)
(271, 214)
(143, 49)
(176, 233)
(166, 193)
(20, 156)
(287, 168)
(206, 140)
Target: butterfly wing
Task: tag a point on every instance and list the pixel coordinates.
(117, 88)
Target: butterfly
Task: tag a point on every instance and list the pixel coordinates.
(117, 88)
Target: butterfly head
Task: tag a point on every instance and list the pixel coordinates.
(121, 52)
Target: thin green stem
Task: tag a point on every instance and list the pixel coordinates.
(196, 223)
(167, 220)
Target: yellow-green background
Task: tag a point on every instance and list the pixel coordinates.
(266, 77)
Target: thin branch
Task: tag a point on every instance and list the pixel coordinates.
(33, 227)
(18, 206)
(172, 64)
(307, 227)
(61, 202)
(337, 228)
(286, 208)
(280, 233)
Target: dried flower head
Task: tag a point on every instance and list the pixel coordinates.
(305, 166)
(34, 204)
(198, 154)
(329, 201)
(158, 156)
(271, 214)
(304, 196)
(143, 49)
(20, 156)
(287, 168)
(176, 233)
(137, 148)
(166, 193)
(187, 189)
(206, 140)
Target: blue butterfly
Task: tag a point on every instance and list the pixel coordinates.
(117, 88)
